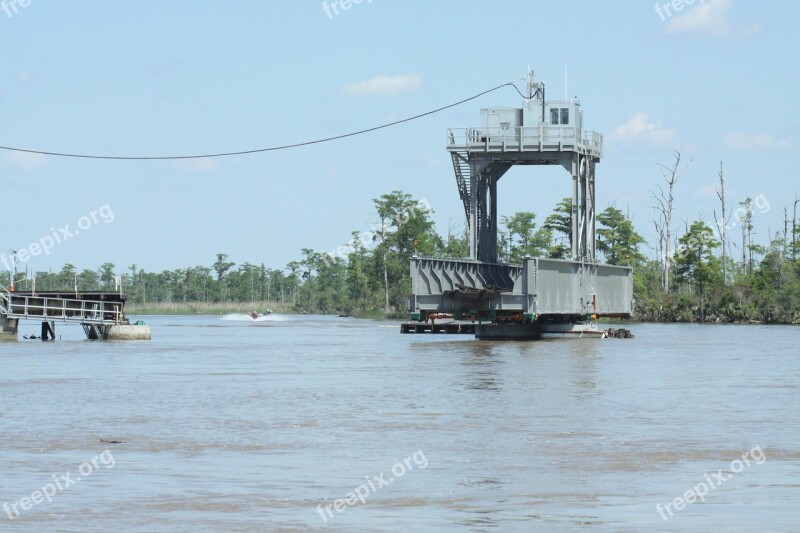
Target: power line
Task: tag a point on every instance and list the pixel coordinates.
(257, 150)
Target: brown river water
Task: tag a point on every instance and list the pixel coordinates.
(304, 423)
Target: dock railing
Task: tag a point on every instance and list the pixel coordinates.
(4, 299)
(30, 307)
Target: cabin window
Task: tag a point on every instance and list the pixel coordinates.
(554, 116)
(565, 116)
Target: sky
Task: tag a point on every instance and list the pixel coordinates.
(716, 79)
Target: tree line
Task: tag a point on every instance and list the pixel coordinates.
(697, 270)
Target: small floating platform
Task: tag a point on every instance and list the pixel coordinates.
(518, 331)
(467, 328)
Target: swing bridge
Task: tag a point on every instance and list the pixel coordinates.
(541, 296)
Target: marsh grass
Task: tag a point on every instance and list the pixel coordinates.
(203, 308)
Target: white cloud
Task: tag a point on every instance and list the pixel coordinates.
(639, 128)
(755, 142)
(25, 160)
(710, 18)
(204, 164)
(383, 85)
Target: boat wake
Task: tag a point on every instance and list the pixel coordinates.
(236, 317)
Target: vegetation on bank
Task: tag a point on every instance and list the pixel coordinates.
(227, 308)
(698, 271)
(204, 308)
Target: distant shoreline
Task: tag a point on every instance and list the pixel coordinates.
(227, 308)
(204, 308)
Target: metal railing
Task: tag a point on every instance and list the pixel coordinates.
(4, 300)
(61, 309)
(548, 138)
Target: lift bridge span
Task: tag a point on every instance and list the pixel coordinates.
(540, 296)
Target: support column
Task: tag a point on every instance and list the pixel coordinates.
(9, 328)
(491, 245)
(576, 208)
(591, 237)
(583, 207)
(474, 180)
(486, 209)
(48, 331)
(477, 207)
(483, 192)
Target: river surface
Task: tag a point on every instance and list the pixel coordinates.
(341, 424)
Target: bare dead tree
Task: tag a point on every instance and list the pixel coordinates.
(785, 231)
(664, 205)
(745, 247)
(747, 236)
(659, 249)
(794, 230)
(723, 224)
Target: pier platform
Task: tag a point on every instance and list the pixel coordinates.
(102, 314)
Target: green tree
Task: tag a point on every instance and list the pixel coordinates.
(107, 277)
(88, 280)
(330, 285)
(66, 278)
(776, 286)
(293, 280)
(358, 280)
(404, 228)
(617, 239)
(221, 267)
(524, 239)
(559, 222)
(308, 267)
(695, 262)
(456, 245)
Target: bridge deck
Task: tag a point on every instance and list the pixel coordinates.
(539, 287)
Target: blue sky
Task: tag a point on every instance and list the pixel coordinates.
(718, 79)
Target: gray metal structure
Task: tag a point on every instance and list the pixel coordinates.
(541, 132)
(538, 287)
(97, 312)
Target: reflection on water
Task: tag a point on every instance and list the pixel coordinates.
(242, 426)
(481, 366)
